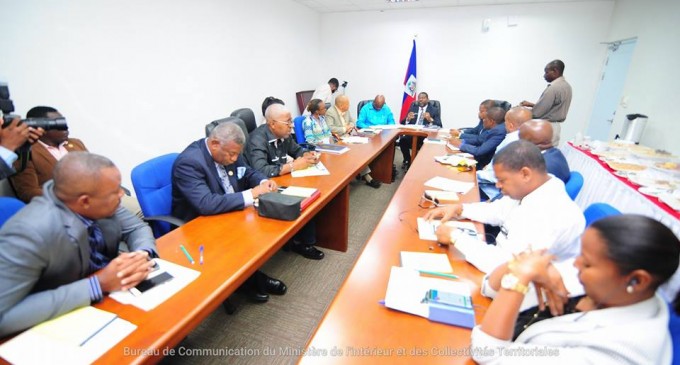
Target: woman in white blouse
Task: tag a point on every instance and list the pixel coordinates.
(620, 320)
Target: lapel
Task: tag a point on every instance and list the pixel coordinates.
(214, 180)
(75, 230)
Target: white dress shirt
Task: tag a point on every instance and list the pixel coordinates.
(545, 218)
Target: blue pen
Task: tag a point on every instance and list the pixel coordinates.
(200, 250)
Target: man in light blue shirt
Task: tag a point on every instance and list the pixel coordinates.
(376, 113)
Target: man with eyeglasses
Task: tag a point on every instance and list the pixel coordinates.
(273, 151)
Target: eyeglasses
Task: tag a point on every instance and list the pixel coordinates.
(288, 122)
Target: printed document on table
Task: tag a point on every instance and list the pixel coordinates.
(355, 139)
(315, 170)
(436, 262)
(77, 337)
(427, 230)
(443, 183)
(150, 299)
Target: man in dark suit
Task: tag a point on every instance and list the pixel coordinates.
(61, 251)
(483, 147)
(540, 133)
(421, 113)
(210, 177)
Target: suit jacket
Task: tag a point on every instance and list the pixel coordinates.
(434, 112)
(28, 183)
(197, 188)
(484, 147)
(262, 155)
(556, 163)
(44, 259)
(334, 120)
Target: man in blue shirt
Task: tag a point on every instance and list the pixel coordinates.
(376, 113)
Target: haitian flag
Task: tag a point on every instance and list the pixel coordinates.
(409, 84)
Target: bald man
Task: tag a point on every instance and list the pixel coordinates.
(340, 122)
(375, 113)
(486, 177)
(540, 133)
(60, 252)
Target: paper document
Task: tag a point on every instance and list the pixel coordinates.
(151, 298)
(443, 183)
(442, 197)
(406, 290)
(427, 230)
(437, 262)
(458, 159)
(299, 191)
(434, 141)
(355, 139)
(77, 337)
(315, 170)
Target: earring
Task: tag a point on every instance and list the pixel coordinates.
(629, 289)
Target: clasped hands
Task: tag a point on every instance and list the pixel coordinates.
(125, 271)
(536, 267)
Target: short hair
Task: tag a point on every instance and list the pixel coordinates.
(424, 93)
(637, 242)
(313, 105)
(497, 114)
(78, 172)
(334, 81)
(40, 112)
(488, 103)
(557, 65)
(519, 154)
(274, 109)
(228, 132)
(269, 100)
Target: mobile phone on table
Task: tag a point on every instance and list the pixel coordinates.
(150, 283)
(442, 297)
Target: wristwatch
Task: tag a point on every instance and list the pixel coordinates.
(511, 282)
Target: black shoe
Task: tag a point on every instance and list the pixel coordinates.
(404, 165)
(250, 292)
(308, 251)
(266, 284)
(373, 183)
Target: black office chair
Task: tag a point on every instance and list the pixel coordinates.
(210, 126)
(434, 103)
(247, 116)
(361, 105)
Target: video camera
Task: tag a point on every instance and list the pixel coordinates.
(7, 107)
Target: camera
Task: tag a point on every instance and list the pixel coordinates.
(7, 107)
(344, 84)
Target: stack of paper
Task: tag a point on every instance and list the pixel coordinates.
(425, 261)
(445, 184)
(78, 337)
(334, 149)
(456, 160)
(314, 170)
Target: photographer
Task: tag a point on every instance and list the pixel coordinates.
(13, 136)
(328, 92)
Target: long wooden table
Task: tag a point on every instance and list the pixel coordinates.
(356, 329)
(238, 243)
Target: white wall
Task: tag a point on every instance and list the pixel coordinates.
(137, 79)
(460, 65)
(652, 82)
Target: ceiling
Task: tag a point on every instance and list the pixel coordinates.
(339, 6)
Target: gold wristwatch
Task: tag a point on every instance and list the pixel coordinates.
(511, 282)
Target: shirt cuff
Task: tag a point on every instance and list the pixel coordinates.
(8, 156)
(248, 198)
(96, 294)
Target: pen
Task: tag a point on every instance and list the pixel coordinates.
(435, 273)
(200, 250)
(186, 253)
(99, 330)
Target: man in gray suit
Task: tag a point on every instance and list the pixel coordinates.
(60, 252)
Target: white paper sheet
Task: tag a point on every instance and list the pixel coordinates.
(425, 261)
(315, 170)
(443, 183)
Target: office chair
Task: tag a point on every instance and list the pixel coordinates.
(8, 207)
(303, 98)
(597, 211)
(247, 116)
(299, 133)
(210, 126)
(152, 181)
(361, 105)
(574, 184)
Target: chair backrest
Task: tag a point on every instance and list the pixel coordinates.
(299, 133)
(210, 126)
(597, 211)
(8, 207)
(361, 105)
(152, 181)
(574, 184)
(434, 103)
(303, 98)
(247, 116)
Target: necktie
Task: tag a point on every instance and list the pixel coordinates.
(225, 180)
(420, 116)
(97, 246)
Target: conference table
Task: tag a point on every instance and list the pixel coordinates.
(236, 244)
(356, 329)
